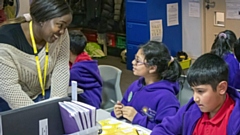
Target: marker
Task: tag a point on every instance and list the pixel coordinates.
(113, 101)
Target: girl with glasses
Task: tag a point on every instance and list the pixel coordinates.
(153, 96)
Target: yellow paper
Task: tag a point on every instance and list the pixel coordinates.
(115, 127)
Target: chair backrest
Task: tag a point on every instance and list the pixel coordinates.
(185, 93)
(111, 91)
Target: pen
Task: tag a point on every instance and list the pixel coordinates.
(137, 132)
(113, 101)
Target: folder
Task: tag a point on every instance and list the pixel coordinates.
(77, 116)
(70, 119)
(85, 111)
(92, 110)
(82, 118)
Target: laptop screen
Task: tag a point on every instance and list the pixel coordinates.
(42, 118)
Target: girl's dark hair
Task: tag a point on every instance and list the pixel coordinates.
(44, 10)
(224, 43)
(237, 49)
(156, 53)
(77, 42)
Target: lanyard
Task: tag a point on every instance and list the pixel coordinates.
(41, 81)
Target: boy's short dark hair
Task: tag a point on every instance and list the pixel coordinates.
(208, 69)
(78, 42)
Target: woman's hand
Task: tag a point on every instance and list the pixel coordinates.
(129, 113)
(118, 109)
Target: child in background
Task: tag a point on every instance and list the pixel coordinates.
(237, 50)
(151, 98)
(237, 54)
(223, 46)
(214, 108)
(85, 71)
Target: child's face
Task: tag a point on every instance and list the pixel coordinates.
(139, 64)
(207, 99)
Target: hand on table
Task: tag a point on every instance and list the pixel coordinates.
(118, 109)
(128, 112)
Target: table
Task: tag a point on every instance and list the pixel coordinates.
(102, 114)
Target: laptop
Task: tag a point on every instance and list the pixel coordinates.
(42, 118)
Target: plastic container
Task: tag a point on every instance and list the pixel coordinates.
(101, 38)
(91, 37)
(111, 40)
(2, 16)
(121, 42)
(185, 64)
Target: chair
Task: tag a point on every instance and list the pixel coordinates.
(111, 92)
(185, 93)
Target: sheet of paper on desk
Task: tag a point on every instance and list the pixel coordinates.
(113, 126)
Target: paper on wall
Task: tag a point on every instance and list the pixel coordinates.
(156, 31)
(194, 9)
(232, 0)
(233, 10)
(172, 14)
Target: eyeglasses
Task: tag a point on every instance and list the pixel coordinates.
(138, 62)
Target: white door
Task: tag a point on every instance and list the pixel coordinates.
(210, 29)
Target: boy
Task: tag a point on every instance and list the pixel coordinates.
(85, 71)
(214, 108)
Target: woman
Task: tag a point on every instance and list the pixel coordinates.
(34, 55)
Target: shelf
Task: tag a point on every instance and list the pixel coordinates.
(79, 13)
(93, 30)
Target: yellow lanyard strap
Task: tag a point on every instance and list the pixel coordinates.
(42, 82)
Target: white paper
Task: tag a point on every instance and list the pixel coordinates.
(219, 19)
(233, 10)
(232, 0)
(74, 90)
(194, 9)
(43, 127)
(156, 31)
(172, 14)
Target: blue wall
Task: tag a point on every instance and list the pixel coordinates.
(138, 15)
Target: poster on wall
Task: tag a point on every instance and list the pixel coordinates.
(233, 10)
(194, 9)
(156, 31)
(172, 14)
(231, 0)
